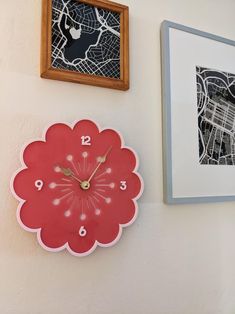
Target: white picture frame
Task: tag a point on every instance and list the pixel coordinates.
(195, 168)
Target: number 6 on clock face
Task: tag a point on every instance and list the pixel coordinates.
(71, 185)
(82, 231)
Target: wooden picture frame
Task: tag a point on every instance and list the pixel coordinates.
(103, 63)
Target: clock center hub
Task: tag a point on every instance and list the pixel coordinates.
(85, 185)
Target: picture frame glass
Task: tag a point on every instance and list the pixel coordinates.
(85, 39)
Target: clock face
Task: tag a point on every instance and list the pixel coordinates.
(78, 187)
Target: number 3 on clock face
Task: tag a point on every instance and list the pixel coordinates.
(123, 185)
(79, 194)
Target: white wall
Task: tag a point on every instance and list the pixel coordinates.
(174, 259)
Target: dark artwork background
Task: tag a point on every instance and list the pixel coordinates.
(216, 116)
(85, 39)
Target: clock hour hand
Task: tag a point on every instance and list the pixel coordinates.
(101, 159)
(85, 185)
(69, 173)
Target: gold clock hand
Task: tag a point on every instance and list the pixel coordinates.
(85, 185)
(69, 173)
(102, 159)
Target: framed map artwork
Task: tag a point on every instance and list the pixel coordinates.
(198, 72)
(85, 42)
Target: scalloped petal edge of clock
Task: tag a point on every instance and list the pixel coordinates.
(66, 245)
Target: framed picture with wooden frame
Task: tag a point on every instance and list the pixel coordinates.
(85, 42)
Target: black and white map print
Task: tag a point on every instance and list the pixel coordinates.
(216, 116)
(85, 39)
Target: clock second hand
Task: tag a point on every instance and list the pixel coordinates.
(102, 160)
(68, 173)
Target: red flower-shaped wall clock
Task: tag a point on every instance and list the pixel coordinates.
(77, 188)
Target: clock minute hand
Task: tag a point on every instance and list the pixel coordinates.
(102, 160)
(69, 173)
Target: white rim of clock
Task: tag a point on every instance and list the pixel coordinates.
(38, 230)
